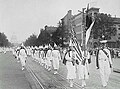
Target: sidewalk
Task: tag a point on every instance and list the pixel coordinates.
(51, 81)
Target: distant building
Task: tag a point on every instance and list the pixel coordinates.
(76, 22)
(117, 25)
(13, 39)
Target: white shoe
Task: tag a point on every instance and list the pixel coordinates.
(104, 85)
(71, 85)
(23, 68)
(83, 85)
(49, 69)
(55, 72)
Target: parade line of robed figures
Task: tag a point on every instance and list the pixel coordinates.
(49, 56)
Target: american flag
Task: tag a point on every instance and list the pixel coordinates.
(76, 46)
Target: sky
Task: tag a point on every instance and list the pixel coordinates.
(21, 18)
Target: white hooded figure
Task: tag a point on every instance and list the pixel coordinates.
(23, 56)
(49, 59)
(45, 52)
(105, 63)
(83, 69)
(56, 58)
(39, 54)
(70, 63)
(42, 55)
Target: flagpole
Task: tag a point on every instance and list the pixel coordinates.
(84, 32)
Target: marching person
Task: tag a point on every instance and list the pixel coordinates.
(56, 58)
(17, 54)
(23, 56)
(83, 69)
(49, 59)
(42, 57)
(70, 65)
(104, 63)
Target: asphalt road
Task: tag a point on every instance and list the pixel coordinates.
(51, 81)
(11, 75)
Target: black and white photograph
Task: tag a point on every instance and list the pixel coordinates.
(59, 44)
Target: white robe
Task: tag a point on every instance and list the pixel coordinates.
(56, 58)
(22, 56)
(49, 57)
(71, 69)
(83, 70)
(104, 66)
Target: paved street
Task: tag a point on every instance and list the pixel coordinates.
(51, 81)
(11, 75)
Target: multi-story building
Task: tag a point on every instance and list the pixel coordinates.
(117, 25)
(76, 22)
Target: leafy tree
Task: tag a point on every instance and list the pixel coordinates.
(3, 40)
(61, 35)
(43, 38)
(103, 26)
(31, 41)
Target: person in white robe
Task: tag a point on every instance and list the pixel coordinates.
(49, 59)
(23, 56)
(70, 65)
(105, 63)
(42, 57)
(56, 58)
(83, 69)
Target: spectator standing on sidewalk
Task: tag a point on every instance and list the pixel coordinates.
(56, 58)
(23, 56)
(104, 63)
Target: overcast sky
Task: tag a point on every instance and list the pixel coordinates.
(24, 17)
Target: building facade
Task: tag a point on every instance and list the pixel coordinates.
(75, 22)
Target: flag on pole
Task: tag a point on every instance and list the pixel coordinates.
(76, 45)
(89, 25)
(88, 18)
(88, 32)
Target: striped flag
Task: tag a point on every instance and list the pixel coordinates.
(89, 25)
(88, 32)
(76, 46)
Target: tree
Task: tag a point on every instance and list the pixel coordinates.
(3, 40)
(43, 38)
(103, 27)
(61, 35)
(31, 41)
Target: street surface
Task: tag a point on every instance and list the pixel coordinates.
(12, 77)
(51, 81)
